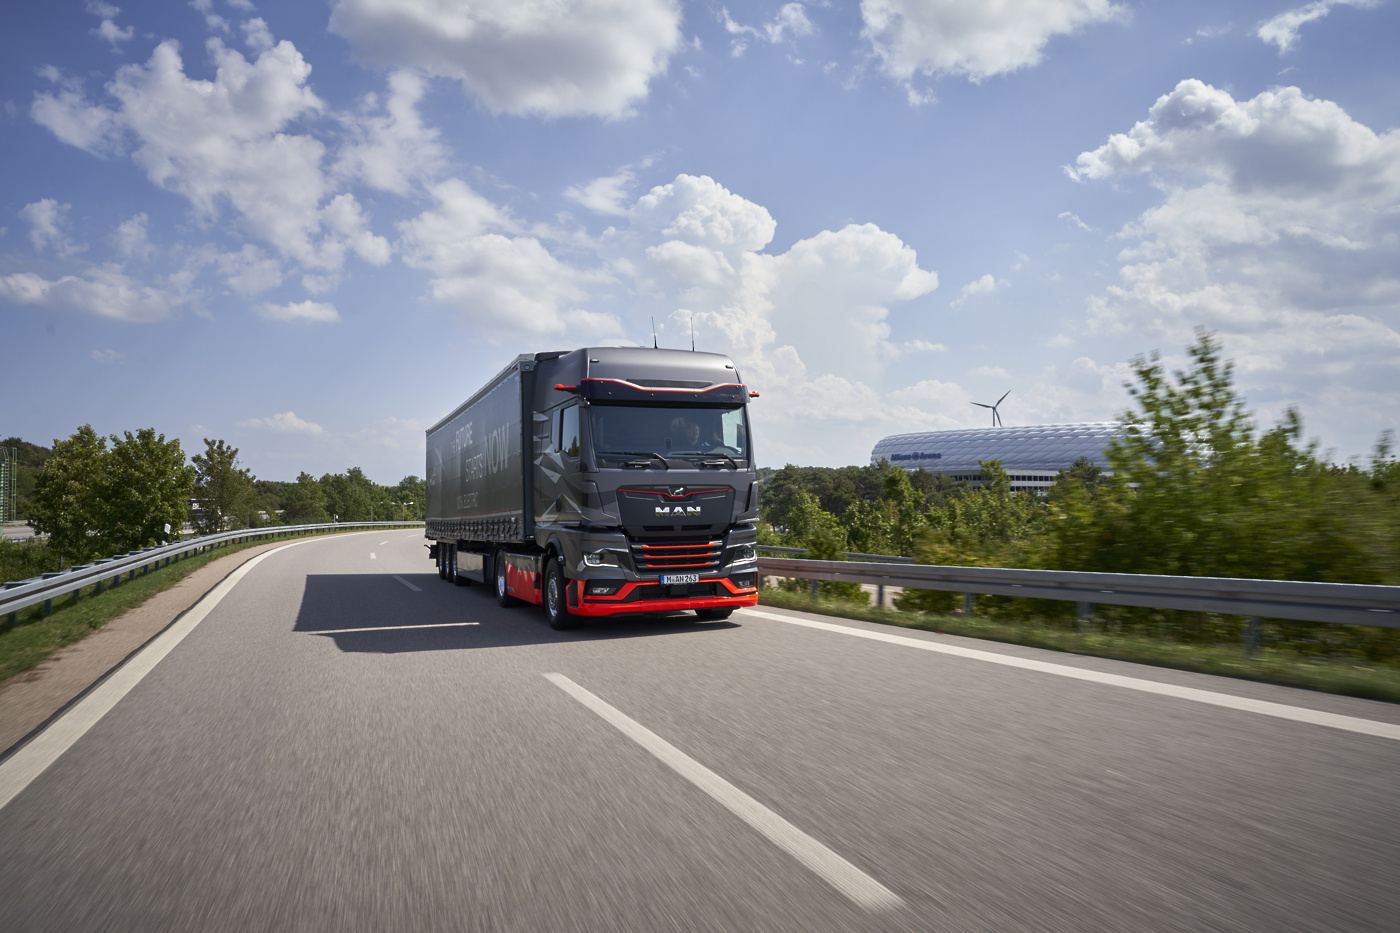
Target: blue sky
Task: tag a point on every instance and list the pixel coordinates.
(311, 229)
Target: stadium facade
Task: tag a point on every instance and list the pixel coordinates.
(1032, 455)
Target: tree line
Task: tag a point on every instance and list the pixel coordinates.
(95, 496)
(1194, 487)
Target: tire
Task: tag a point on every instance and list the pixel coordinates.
(713, 615)
(556, 598)
(442, 561)
(498, 570)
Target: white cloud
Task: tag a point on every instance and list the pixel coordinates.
(107, 357)
(609, 194)
(932, 37)
(48, 227)
(257, 35)
(1282, 30)
(544, 57)
(393, 150)
(986, 285)
(503, 283)
(791, 21)
(108, 30)
(132, 237)
(313, 311)
(102, 291)
(1279, 227)
(225, 141)
(213, 20)
(285, 422)
(1074, 219)
(250, 270)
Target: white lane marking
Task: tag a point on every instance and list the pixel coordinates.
(45, 748)
(832, 868)
(389, 628)
(1314, 717)
(372, 556)
(407, 584)
(382, 543)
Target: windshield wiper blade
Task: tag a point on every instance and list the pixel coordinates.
(639, 453)
(714, 463)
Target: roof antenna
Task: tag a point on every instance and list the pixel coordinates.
(692, 332)
(653, 334)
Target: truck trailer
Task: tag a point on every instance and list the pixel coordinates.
(598, 482)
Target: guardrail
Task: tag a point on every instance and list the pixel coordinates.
(21, 595)
(1344, 603)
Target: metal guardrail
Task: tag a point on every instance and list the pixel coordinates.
(1345, 603)
(850, 555)
(21, 595)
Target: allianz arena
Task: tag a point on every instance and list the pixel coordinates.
(1032, 454)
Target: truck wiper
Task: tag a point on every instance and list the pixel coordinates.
(639, 453)
(715, 463)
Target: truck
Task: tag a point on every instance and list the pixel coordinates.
(599, 482)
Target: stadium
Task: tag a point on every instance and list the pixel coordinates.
(1032, 455)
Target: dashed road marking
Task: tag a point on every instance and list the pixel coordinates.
(832, 868)
(389, 628)
(407, 584)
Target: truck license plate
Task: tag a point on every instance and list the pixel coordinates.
(680, 578)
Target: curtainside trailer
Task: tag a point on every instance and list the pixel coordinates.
(600, 481)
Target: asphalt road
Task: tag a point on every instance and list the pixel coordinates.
(347, 743)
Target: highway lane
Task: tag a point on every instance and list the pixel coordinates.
(333, 749)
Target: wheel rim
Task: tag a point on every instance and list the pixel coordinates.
(500, 579)
(553, 594)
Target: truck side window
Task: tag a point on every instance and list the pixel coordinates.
(568, 431)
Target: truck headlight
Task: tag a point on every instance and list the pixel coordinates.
(599, 559)
(743, 554)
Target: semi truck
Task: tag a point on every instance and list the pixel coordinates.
(598, 482)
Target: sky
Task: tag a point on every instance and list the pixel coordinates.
(311, 229)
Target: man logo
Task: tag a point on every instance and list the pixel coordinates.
(676, 490)
(678, 510)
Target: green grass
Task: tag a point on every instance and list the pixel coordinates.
(37, 636)
(1340, 676)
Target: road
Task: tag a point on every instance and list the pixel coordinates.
(345, 742)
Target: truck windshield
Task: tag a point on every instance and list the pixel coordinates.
(624, 433)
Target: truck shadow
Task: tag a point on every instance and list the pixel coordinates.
(376, 613)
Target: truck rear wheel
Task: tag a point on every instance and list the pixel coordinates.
(442, 561)
(498, 568)
(556, 598)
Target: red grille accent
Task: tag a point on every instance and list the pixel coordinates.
(695, 555)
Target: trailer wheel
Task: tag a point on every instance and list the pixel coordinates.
(498, 567)
(713, 615)
(442, 561)
(556, 600)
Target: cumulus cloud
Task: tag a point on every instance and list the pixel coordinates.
(392, 149)
(986, 285)
(1279, 226)
(502, 282)
(609, 194)
(791, 21)
(314, 311)
(102, 291)
(249, 270)
(109, 30)
(1282, 30)
(285, 422)
(543, 57)
(976, 40)
(48, 227)
(226, 142)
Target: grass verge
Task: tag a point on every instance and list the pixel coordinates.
(37, 636)
(1345, 677)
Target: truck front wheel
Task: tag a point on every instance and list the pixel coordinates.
(556, 598)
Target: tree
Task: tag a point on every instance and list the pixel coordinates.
(146, 485)
(66, 502)
(224, 490)
(304, 502)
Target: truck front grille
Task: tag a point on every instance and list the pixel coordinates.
(678, 556)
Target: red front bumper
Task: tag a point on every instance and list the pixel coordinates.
(618, 603)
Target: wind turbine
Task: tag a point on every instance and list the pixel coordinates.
(996, 416)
